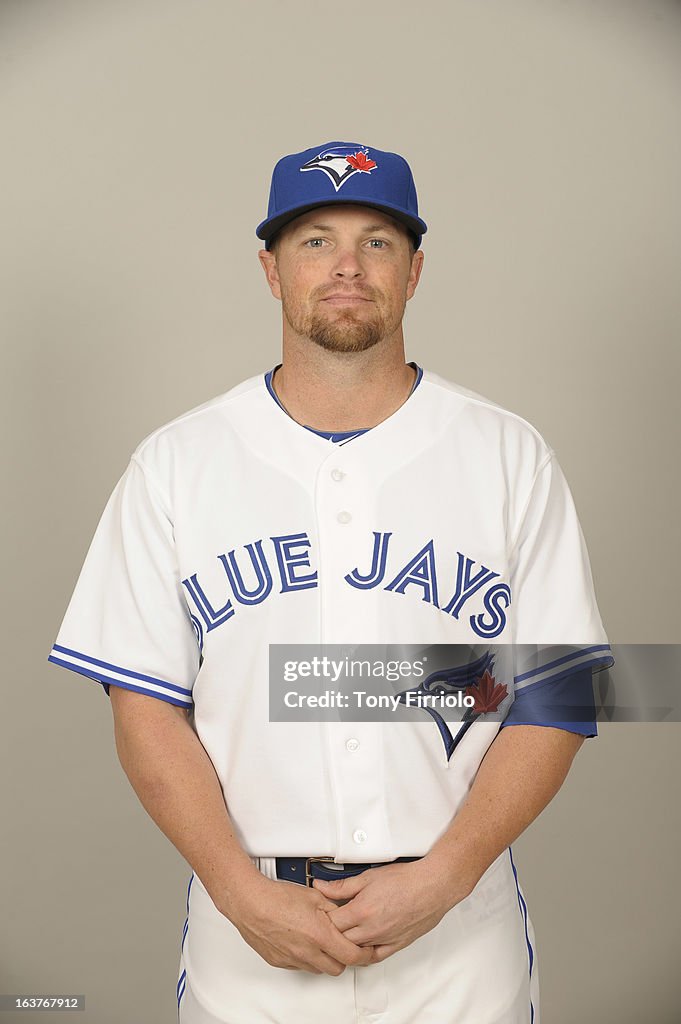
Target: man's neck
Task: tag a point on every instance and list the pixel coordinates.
(342, 391)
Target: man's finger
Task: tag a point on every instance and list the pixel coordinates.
(380, 953)
(327, 905)
(345, 919)
(336, 945)
(322, 963)
(342, 888)
(359, 934)
(348, 953)
(342, 919)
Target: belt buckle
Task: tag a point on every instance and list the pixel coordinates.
(308, 877)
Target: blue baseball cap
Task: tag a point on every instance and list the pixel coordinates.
(341, 172)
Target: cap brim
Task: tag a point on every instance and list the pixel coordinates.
(268, 228)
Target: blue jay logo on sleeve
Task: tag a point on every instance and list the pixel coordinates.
(285, 567)
(340, 163)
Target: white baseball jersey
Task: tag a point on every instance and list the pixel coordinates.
(234, 527)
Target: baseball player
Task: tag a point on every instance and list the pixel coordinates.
(345, 871)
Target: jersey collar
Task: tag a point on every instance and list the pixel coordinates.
(335, 436)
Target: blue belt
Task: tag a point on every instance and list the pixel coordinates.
(306, 869)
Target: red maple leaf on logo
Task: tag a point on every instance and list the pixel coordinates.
(487, 694)
(361, 162)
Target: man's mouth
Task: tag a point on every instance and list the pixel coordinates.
(342, 300)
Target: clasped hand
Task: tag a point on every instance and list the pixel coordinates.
(387, 908)
(350, 922)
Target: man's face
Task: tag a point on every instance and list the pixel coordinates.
(344, 275)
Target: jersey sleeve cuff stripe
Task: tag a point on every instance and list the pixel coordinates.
(555, 678)
(155, 690)
(102, 678)
(596, 658)
(74, 657)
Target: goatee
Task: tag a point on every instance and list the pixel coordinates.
(345, 334)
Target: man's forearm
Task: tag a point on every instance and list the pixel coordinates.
(176, 783)
(521, 773)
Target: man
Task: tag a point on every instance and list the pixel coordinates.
(345, 497)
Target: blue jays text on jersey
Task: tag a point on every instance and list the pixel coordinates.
(290, 562)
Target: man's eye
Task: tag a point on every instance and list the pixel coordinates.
(380, 241)
(310, 242)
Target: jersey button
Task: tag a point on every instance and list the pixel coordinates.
(344, 517)
(337, 474)
(352, 744)
(359, 836)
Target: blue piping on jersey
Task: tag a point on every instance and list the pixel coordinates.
(523, 911)
(182, 983)
(185, 929)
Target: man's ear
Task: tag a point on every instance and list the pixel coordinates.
(415, 272)
(268, 261)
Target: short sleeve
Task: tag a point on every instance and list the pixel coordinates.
(566, 703)
(558, 632)
(127, 623)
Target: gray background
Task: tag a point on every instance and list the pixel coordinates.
(137, 144)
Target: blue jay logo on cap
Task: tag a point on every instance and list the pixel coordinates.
(341, 162)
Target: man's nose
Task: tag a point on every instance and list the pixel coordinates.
(348, 264)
